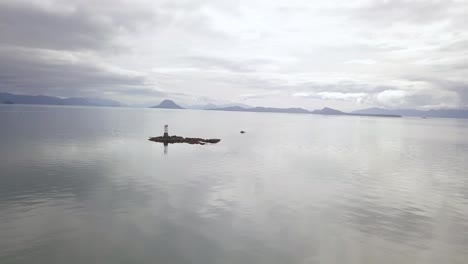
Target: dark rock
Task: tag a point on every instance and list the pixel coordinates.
(177, 139)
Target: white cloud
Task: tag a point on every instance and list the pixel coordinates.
(392, 97)
(361, 61)
(340, 96)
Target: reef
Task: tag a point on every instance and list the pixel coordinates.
(177, 139)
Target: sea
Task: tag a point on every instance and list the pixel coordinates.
(84, 185)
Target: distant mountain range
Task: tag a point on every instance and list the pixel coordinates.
(324, 111)
(378, 112)
(168, 104)
(8, 98)
(441, 113)
(262, 109)
(328, 111)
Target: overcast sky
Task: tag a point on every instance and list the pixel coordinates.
(295, 53)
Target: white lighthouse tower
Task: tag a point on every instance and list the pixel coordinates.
(166, 130)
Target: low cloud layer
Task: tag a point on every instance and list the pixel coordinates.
(311, 54)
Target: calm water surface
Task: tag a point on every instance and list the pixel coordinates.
(83, 185)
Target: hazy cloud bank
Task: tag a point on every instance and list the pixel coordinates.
(344, 54)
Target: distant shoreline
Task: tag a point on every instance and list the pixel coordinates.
(14, 99)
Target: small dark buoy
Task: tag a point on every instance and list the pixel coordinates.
(242, 132)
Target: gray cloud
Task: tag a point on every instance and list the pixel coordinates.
(36, 26)
(458, 87)
(145, 92)
(398, 11)
(55, 50)
(457, 46)
(33, 26)
(35, 71)
(343, 86)
(216, 63)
